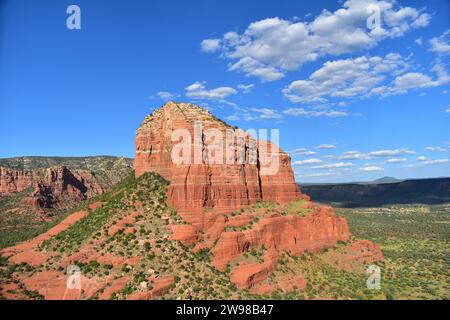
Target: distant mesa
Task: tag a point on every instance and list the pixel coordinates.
(385, 180)
(384, 191)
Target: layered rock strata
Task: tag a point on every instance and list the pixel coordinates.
(221, 173)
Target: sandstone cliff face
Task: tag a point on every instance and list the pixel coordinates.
(225, 186)
(60, 183)
(12, 181)
(50, 185)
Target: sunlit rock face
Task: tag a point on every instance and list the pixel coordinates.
(252, 171)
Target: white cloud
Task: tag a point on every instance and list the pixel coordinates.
(246, 88)
(357, 155)
(396, 160)
(363, 77)
(270, 48)
(345, 78)
(252, 114)
(422, 21)
(326, 146)
(301, 112)
(448, 109)
(417, 80)
(441, 44)
(426, 161)
(371, 168)
(233, 117)
(210, 45)
(422, 158)
(266, 113)
(333, 165)
(352, 155)
(436, 149)
(303, 152)
(320, 174)
(165, 95)
(419, 41)
(307, 162)
(197, 90)
(390, 153)
(437, 161)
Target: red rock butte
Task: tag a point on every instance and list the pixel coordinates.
(224, 187)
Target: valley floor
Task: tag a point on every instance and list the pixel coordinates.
(415, 243)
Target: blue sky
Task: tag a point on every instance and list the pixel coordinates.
(352, 101)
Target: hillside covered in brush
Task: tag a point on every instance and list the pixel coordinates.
(35, 191)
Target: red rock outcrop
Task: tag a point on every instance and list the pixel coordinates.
(320, 229)
(50, 185)
(59, 183)
(247, 275)
(211, 177)
(12, 181)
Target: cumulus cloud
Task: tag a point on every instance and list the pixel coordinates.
(351, 155)
(357, 155)
(326, 146)
(303, 152)
(436, 161)
(390, 153)
(270, 48)
(246, 88)
(252, 114)
(307, 162)
(371, 168)
(436, 149)
(266, 113)
(165, 95)
(396, 160)
(197, 90)
(210, 45)
(363, 77)
(233, 117)
(320, 174)
(417, 80)
(441, 44)
(333, 165)
(425, 160)
(345, 78)
(301, 112)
